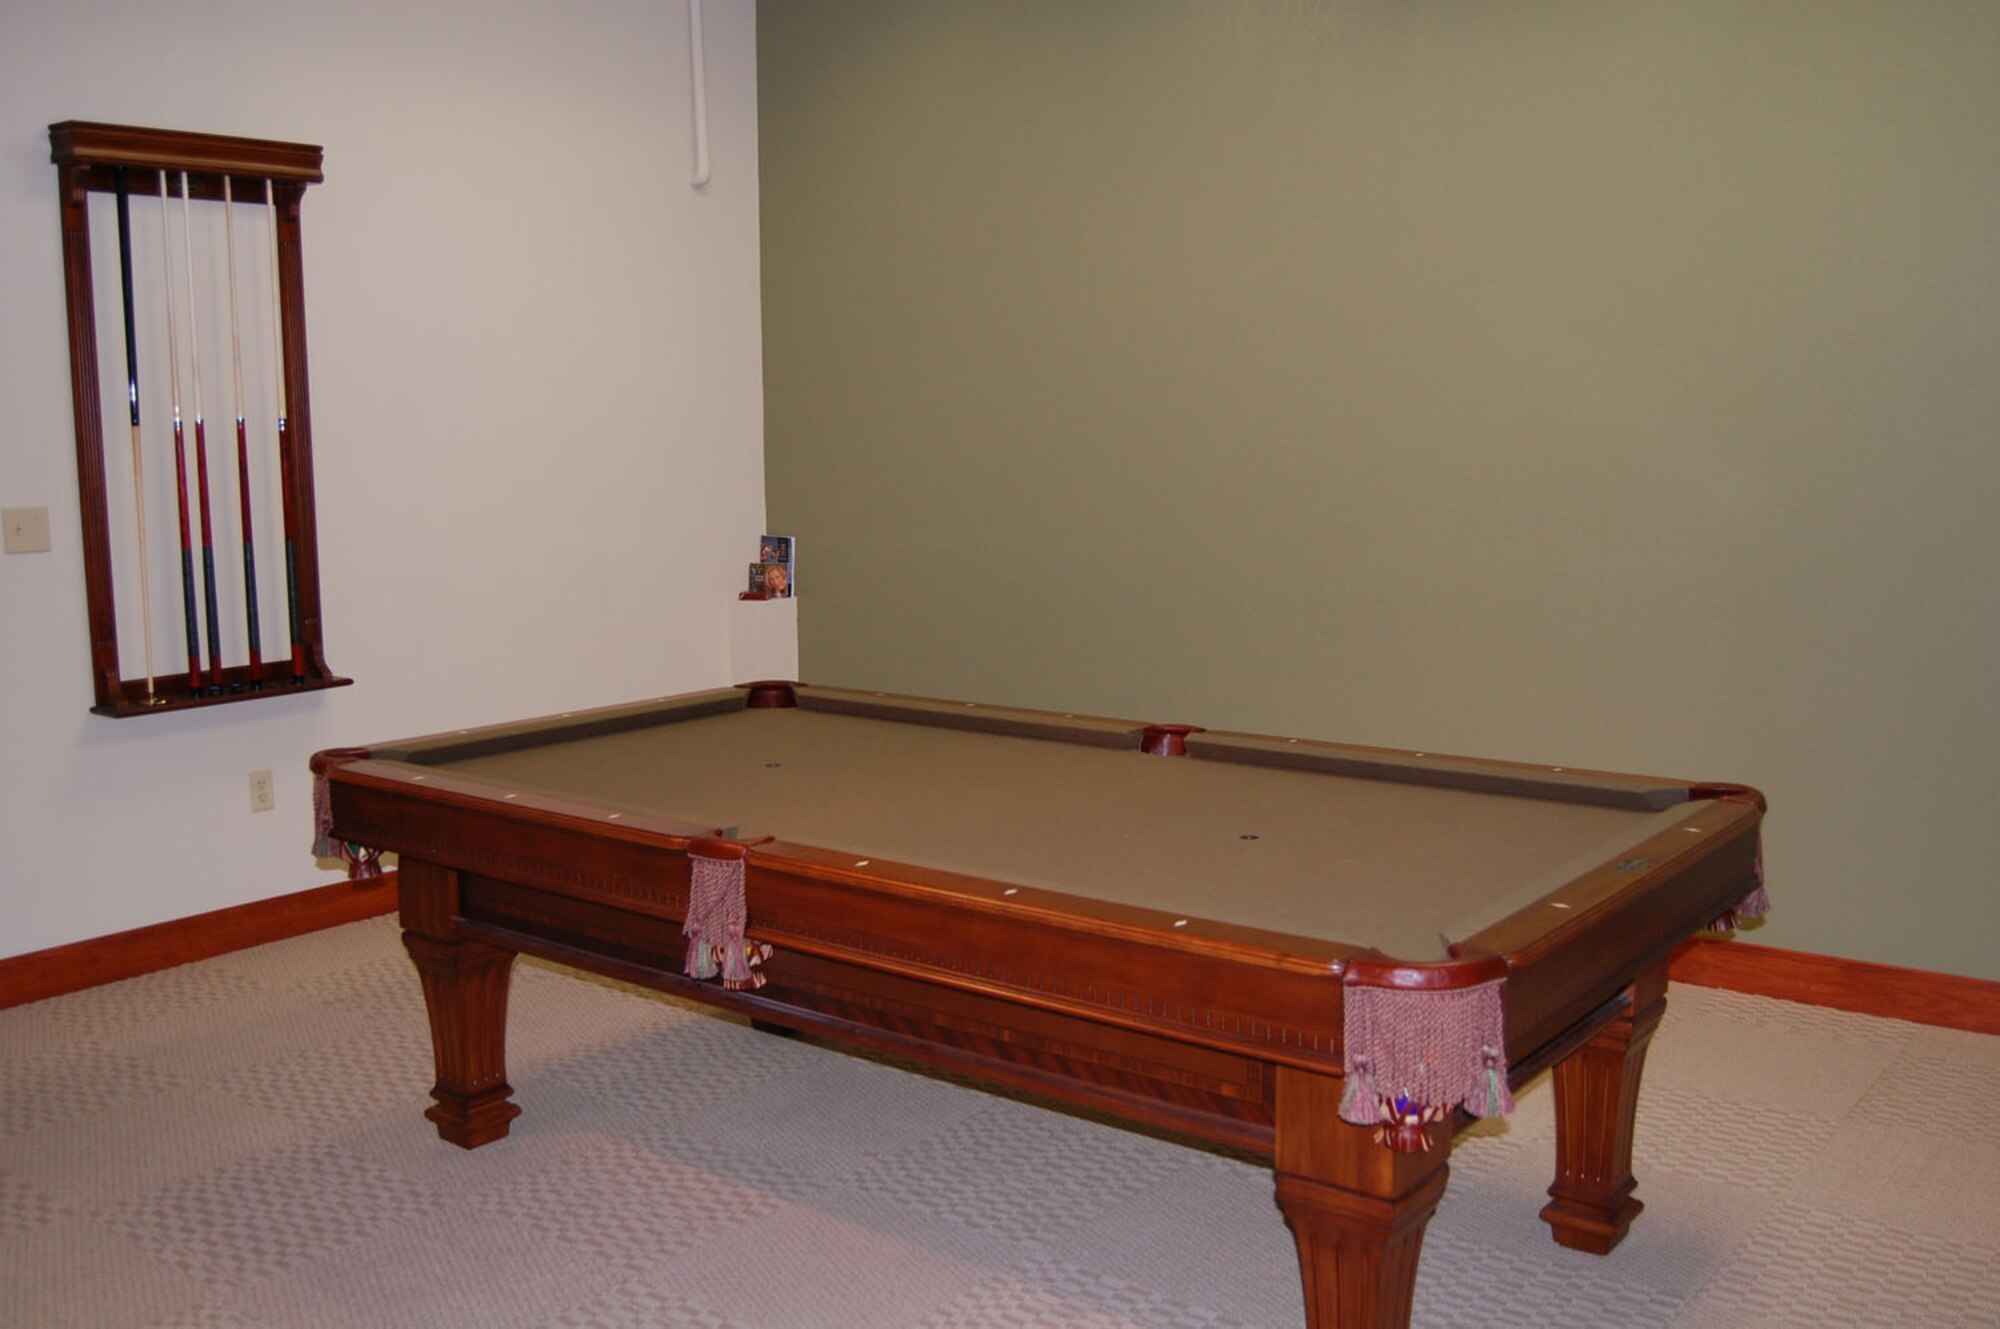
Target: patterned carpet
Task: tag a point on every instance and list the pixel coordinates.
(240, 1143)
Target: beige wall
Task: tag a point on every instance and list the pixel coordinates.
(1610, 384)
(536, 405)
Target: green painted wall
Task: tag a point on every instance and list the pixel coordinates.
(1610, 384)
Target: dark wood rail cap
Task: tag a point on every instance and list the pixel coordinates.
(769, 694)
(325, 760)
(719, 846)
(1729, 793)
(1168, 740)
(1467, 968)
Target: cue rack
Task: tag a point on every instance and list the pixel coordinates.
(184, 666)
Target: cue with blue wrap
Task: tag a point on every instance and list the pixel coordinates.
(242, 451)
(180, 451)
(201, 457)
(132, 396)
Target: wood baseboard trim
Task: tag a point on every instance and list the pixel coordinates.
(1860, 986)
(83, 964)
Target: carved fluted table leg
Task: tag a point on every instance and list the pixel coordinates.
(1597, 1096)
(465, 990)
(1358, 1209)
(465, 993)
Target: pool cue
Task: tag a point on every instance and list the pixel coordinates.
(698, 95)
(201, 453)
(180, 450)
(132, 396)
(242, 450)
(284, 447)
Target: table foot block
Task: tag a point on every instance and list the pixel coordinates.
(1583, 1225)
(470, 1120)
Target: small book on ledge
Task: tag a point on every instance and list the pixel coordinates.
(771, 575)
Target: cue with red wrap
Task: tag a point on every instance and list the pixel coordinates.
(132, 396)
(201, 455)
(284, 448)
(242, 451)
(180, 450)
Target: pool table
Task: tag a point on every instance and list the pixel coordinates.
(1332, 956)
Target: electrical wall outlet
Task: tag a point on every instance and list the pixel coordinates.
(263, 797)
(27, 530)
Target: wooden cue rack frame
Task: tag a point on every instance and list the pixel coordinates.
(88, 157)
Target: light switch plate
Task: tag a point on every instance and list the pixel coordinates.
(27, 530)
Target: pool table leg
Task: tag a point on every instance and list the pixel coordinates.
(1357, 1209)
(1597, 1096)
(465, 993)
